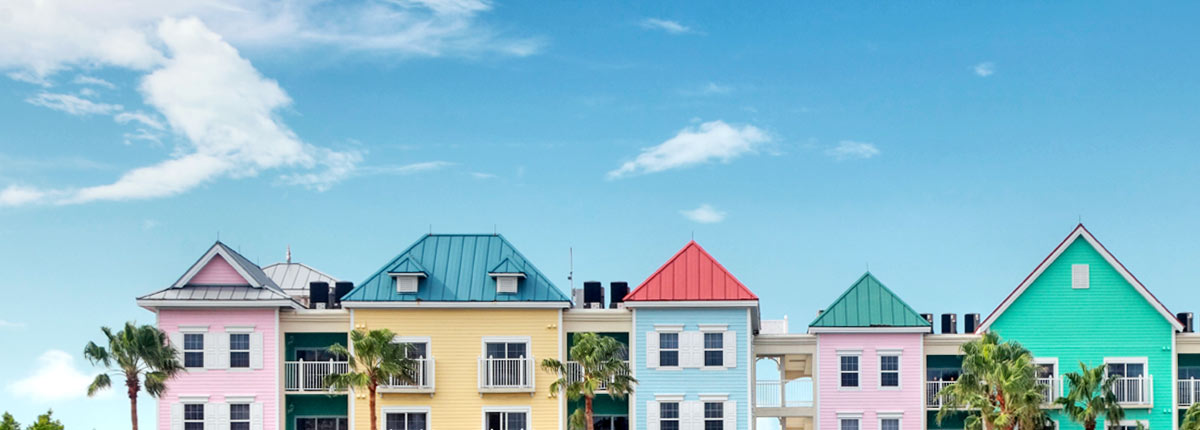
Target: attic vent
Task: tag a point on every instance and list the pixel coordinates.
(506, 284)
(1080, 276)
(407, 282)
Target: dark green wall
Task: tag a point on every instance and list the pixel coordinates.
(951, 421)
(944, 362)
(604, 404)
(620, 337)
(321, 405)
(311, 340)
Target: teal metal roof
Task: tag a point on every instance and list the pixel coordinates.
(506, 266)
(456, 268)
(868, 303)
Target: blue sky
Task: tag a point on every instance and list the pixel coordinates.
(949, 147)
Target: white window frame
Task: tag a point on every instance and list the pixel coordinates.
(678, 348)
(1081, 275)
(678, 402)
(296, 421)
(1053, 361)
(527, 340)
(883, 416)
(850, 416)
(504, 410)
(704, 418)
(879, 354)
(202, 351)
(1145, 362)
(704, 349)
(384, 411)
(857, 354)
(249, 346)
(1132, 423)
(249, 412)
(429, 343)
(203, 413)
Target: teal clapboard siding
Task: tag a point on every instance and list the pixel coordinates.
(1108, 319)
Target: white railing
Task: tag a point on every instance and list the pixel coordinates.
(1189, 391)
(933, 390)
(1133, 390)
(773, 394)
(506, 374)
(310, 375)
(1050, 389)
(421, 378)
(575, 374)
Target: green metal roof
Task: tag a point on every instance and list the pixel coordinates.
(868, 303)
(456, 267)
(506, 266)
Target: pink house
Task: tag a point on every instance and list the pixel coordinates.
(223, 317)
(869, 361)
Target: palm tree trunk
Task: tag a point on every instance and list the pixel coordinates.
(587, 413)
(1089, 424)
(131, 383)
(371, 392)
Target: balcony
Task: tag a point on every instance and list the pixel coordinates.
(421, 379)
(1051, 390)
(575, 374)
(781, 399)
(309, 376)
(933, 391)
(506, 375)
(1189, 392)
(1134, 391)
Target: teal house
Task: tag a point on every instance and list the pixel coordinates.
(1081, 305)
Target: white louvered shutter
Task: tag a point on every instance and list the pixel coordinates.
(652, 415)
(216, 416)
(731, 413)
(256, 416)
(695, 349)
(176, 339)
(177, 415)
(652, 349)
(730, 346)
(215, 345)
(695, 414)
(256, 350)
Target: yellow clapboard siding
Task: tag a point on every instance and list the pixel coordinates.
(456, 343)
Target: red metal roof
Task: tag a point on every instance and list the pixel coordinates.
(691, 275)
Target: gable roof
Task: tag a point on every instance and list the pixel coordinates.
(691, 275)
(294, 278)
(506, 266)
(1080, 232)
(252, 286)
(869, 304)
(456, 268)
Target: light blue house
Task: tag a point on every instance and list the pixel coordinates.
(693, 325)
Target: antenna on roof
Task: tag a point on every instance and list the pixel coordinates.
(1081, 218)
(431, 229)
(571, 273)
(289, 254)
(693, 235)
(494, 230)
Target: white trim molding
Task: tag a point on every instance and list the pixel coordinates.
(456, 305)
(691, 304)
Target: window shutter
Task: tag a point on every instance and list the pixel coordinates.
(177, 410)
(216, 416)
(1080, 276)
(695, 348)
(731, 413)
(695, 414)
(256, 416)
(652, 415)
(730, 349)
(256, 350)
(214, 343)
(176, 339)
(652, 352)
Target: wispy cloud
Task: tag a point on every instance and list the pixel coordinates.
(669, 26)
(17, 195)
(708, 89)
(141, 117)
(53, 378)
(710, 141)
(985, 69)
(406, 169)
(851, 150)
(11, 325)
(705, 214)
(92, 80)
(72, 104)
(482, 175)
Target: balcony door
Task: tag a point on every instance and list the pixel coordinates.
(505, 362)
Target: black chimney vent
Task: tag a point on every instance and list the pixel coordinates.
(618, 289)
(318, 294)
(970, 323)
(1185, 318)
(593, 294)
(929, 318)
(340, 289)
(949, 323)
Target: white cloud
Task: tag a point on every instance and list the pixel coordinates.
(142, 117)
(666, 25)
(709, 89)
(714, 140)
(54, 378)
(11, 325)
(149, 224)
(705, 214)
(851, 150)
(92, 80)
(71, 104)
(985, 69)
(16, 195)
(482, 175)
(406, 169)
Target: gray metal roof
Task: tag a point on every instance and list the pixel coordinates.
(294, 278)
(260, 286)
(240, 293)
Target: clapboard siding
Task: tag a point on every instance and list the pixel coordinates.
(218, 383)
(869, 399)
(456, 337)
(734, 381)
(1108, 319)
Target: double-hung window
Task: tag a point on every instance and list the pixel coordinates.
(406, 421)
(848, 371)
(889, 424)
(506, 421)
(1131, 387)
(193, 416)
(848, 424)
(508, 363)
(889, 370)
(610, 422)
(714, 416)
(668, 416)
(239, 416)
(324, 423)
(714, 349)
(239, 350)
(193, 350)
(668, 350)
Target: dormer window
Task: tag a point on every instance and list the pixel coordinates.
(506, 283)
(407, 283)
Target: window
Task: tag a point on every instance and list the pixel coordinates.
(1130, 425)
(322, 423)
(1127, 370)
(668, 416)
(507, 365)
(193, 350)
(506, 350)
(419, 351)
(848, 423)
(714, 416)
(317, 354)
(849, 371)
(668, 350)
(889, 424)
(239, 416)
(239, 350)
(889, 371)
(193, 417)
(405, 421)
(714, 349)
(1079, 276)
(610, 422)
(505, 421)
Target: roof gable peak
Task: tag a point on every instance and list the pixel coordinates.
(868, 303)
(692, 274)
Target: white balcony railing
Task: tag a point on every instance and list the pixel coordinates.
(1133, 390)
(310, 375)
(506, 374)
(933, 390)
(1050, 389)
(773, 394)
(422, 379)
(1189, 391)
(575, 374)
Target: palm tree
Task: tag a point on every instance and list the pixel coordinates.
(141, 354)
(998, 382)
(377, 360)
(602, 362)
(1091, 396)
(1191, 418)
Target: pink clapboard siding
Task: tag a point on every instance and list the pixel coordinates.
(868, 399)
(219, 383)
(218, 272)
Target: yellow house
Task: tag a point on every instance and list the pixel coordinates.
(480, 318)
